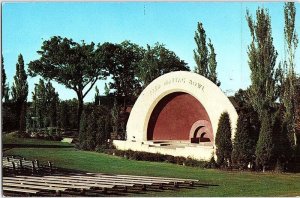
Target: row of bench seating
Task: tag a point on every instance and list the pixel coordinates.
(15, 165)
(89, 183)
(56, 183)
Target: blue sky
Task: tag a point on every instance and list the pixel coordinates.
(26, 25)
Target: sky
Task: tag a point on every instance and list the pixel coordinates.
(26, 25)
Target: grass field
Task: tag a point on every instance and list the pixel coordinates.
(221, 183)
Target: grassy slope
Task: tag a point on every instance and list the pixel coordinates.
(227, 183)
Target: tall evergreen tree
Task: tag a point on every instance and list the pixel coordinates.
(97, 96)
(265, 148)
(223, 140)
(262, 59)
(212, 64)
(245, 140)
(205, 57)
(106, 90)
(115, 117)
(45, 104)
(20, 92)
(52, 104)
(201, 53)
(3, 79)
(288, 95)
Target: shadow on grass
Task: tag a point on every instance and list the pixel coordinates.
(10, 146)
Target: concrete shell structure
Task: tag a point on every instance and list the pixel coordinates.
(178, 114)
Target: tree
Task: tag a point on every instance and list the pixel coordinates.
(94, 130)
(245, 140)
(63, 115)
(45, 104)
(223, 140)
(289, 79)
(262, 59)
(52, 99)
(97, 96)
(82, 136)
(158, 60)
(115, 117)
(204, 58)
(106, 90)
(265, 148)
(3, 82)
(122, 60)
(212, 64)
(283, 147)
(78, 66)
(264, 89)
(20, 92)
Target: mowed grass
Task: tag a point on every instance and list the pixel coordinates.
(220, 183)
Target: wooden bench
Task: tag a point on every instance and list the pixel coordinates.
(62, 185)
(64, 181)
(19, 190)
(56, 189)
(98, 180)
(149, 178)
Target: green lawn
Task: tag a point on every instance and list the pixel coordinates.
(221, 183)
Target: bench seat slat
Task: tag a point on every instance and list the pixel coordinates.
(74, 183)
(34, 187)
(105, 180)
(46, 184)
(21, 190)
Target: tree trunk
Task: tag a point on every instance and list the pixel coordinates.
(79, 110)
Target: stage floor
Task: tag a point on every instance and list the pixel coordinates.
(199, 151)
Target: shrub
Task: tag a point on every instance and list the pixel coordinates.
(244, 144)
(156, 157)
(223, 140)
(265, 146)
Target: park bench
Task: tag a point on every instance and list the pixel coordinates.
(141, 182)
(120, 183)
(175, 180)
(73, 183)
(34, 187)
(20, 190)
(22, 165)
(49, 184)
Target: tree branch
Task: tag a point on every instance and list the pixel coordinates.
(93, 83)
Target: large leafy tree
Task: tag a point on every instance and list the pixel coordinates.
(122, 61)
(205, 57)
(76, 65)
(158, 60)
(20, 92)
(264, 77)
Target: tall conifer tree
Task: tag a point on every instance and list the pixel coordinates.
(205, 57)
(20, 92)
(223, 140)
(291, 42)
(263, 90)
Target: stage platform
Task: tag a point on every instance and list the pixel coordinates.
(200, 151)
